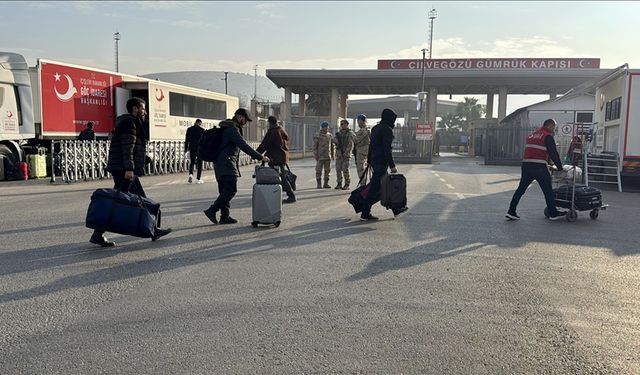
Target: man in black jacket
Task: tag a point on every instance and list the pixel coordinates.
(226, 165)
(379, 159)
(191, 145)
(87, 134)
(126, 159)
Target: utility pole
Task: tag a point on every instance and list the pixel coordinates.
(432, 16)
(255, 81)
(424, 51)
(225, 82)
(116, 37)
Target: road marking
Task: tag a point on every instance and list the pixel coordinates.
(459, 195)
(450, 186)
(442, 180)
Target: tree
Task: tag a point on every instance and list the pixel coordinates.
(450, 121)
(469, 110)
(318, 104)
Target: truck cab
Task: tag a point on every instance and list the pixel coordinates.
(16, 108)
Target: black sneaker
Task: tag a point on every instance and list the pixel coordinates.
(289, 200)
(399, 211)
(560, 215)
(338, 187)
(512, 216)
(160, 233)
(228, 220)
(367, 217)
(211, 215)
(100, 239)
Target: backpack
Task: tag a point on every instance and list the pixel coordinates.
(210, 144)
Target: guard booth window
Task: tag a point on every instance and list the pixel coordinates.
(193, 106)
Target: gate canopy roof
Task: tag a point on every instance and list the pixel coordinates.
(455, 82)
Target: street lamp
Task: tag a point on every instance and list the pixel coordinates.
(255, 81)
(225, 82)
(424, 51)
(116, 37)
(432, 16)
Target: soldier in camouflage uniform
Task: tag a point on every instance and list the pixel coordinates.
(323, 151)
(361, 143)
(344, 147)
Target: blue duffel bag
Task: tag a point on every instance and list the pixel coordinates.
(117, 211)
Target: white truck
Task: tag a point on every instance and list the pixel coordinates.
(617, 118)
(55, 101)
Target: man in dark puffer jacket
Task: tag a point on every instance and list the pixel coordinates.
(126, 159)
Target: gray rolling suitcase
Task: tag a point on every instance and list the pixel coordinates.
(266, 204)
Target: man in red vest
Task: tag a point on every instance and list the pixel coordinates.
(539, 148)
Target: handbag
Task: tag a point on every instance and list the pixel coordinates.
(359, 195)
(289, 176)
(117, 211)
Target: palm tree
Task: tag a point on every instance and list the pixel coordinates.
(318, 104)
(469, 110)
(450, 121)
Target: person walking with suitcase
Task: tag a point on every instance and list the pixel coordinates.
(539, 148)
(275, 145)
(344, 147)
(226, 166)
(191, 145)
(380, 158)
(324, 151)
(126, 159)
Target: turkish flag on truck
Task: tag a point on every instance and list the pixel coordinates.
(73, 96)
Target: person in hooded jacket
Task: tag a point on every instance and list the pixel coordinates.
(379, 159)
(226, 166)
(275, 145)
(126, 159)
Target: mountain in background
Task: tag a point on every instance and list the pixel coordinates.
(240, 85)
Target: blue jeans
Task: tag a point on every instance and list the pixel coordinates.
(540, 173)
(373, 195)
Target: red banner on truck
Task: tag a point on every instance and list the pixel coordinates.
(491, 64)
(72, 96)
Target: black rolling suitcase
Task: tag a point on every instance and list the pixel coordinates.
(393, 191)
(586, 197)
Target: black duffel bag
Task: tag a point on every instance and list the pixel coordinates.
(117, 211)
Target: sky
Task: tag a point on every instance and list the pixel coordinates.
(237, 35)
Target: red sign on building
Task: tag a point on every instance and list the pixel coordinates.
(491, 64)
(424, 132)
(73, 96)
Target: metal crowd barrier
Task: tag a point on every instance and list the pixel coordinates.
(75, 160)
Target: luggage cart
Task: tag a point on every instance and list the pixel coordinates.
(575, 147)
(568, 199)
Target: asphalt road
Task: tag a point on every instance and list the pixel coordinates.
(448, 287)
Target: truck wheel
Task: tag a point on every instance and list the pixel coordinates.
(593, 214)
(254, 224)
(7, 153)
(572, 216)
(11, 160)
